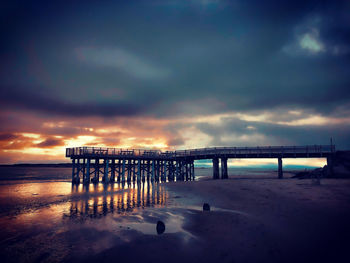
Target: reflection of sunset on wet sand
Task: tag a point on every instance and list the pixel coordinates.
(115, 200)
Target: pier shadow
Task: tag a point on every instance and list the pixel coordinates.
(95, 201)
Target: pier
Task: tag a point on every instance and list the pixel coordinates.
(109, 165)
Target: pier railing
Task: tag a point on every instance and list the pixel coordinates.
(239, 151)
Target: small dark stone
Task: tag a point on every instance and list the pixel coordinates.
(160, 227)
(206, 207)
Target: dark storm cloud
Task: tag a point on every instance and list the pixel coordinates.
(166, 58)
(12, 97)
(275, 134)
(50, 142)
(7, 136)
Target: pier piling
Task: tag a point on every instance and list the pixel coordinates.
(280, 169)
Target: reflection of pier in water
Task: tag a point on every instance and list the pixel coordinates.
(99, 200)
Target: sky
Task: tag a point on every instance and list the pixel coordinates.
(171, 75)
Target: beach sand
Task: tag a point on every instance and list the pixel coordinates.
(251, 220)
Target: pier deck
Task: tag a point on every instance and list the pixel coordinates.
(137, 164)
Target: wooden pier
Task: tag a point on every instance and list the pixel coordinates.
(95, 164)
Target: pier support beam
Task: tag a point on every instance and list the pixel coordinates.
(97, 171)
(177, 170)
(139, 171)
(119, 170)
(186, 171)
(73, 170)
(143, 168)
(105, 174)
(148, 168)
(330, 165)
(280, 169)
(182, 171)
(86, 179)
(224, 174)
(128, 179)
(123, 171)
(192, 170)
(153, 170)
(215, 168)
(113, 171)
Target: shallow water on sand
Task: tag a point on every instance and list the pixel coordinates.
(56, 218)
(48, 220)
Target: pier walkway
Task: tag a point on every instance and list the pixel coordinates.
(120, 165)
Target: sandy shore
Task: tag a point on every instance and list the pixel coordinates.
(251, 220)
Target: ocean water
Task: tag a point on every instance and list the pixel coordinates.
(43, 217)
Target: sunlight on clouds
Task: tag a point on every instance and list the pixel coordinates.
(194, 138)
(270, 117)
(316, 120)
(59, 124)
(255, 139)
(81, 141)
(56, 151)
(110, 130)
(295, 112)
(30, 135)
(310, 41)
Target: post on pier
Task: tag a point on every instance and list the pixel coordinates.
(224, 174)
(129, 172)
(280, 169)
(216, 168)
(181, 171)
(84, 170)
(330, 165)
(77, 174)
(157, 170)
(153, 170)
(170, 170)
(177, 170)
(192, 170)
(173, 169)
(186, 171)
(148, 169)
(143, 170)
(105, 174)
(113, 171)
(123, 171)
(139, 171)
(73, 170)
(119, 170)
(163, 171)
(133, 170)
(87, 172)
(97, 171)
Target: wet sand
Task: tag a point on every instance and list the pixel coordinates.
(251, 220)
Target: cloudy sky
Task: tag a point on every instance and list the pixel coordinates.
(172, 74)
